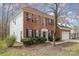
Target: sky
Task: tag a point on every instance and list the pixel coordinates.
(72, 10)
(71, 7)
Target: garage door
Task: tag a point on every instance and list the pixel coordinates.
(65, 35)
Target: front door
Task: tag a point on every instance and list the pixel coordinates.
(44, 34)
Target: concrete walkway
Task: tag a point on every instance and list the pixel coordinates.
(73, 41)
(66, 41)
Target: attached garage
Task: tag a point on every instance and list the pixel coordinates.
(63, 32)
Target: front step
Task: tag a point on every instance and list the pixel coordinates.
(18, 45)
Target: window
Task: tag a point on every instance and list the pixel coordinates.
(30, 33)
(50, 21)
(39, 33)
(14, 33)
(50, 33)
(26, 32)
(14, 21)
(30, 17)
(26, 14)
(46, 21)
(33, 33)
(34, 18)
(39, 19)
(21, 34)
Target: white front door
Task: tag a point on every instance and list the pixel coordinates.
(44, 33)
(65, 35)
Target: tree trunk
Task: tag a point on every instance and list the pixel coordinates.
(55, 24)
(2, 20)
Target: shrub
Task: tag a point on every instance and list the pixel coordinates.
(30, 40)
(50, 38)
(34, 40)
(27, 41)
(40, 39)
(57, 38)
(43, 39)
(10, 41)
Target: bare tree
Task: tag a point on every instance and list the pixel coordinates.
(6, 9)
(2, 19)
(58, 10)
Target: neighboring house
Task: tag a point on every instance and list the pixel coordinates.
(75, 32)
(30, 22)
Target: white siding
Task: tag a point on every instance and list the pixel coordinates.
(18, 27)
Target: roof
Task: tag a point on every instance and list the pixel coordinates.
(31, 10)
(64, 27)
(36, 11)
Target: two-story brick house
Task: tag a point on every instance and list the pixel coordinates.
(31, 22)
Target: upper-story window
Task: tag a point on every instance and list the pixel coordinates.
(37, 19)
(28, 16)
(40, 20)
(46, 21)
(34, 18)
(14, 21)
(50, 21)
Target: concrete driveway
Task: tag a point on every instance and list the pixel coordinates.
(60, 42)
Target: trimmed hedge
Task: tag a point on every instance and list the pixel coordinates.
(30, 40)
(27, 41)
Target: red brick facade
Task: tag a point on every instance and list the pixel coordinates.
(36, 20)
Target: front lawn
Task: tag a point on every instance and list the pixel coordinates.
(64, 49)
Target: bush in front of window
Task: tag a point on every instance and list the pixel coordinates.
(50, 38)
(41, 39)
(27, 41)
(33, 40)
